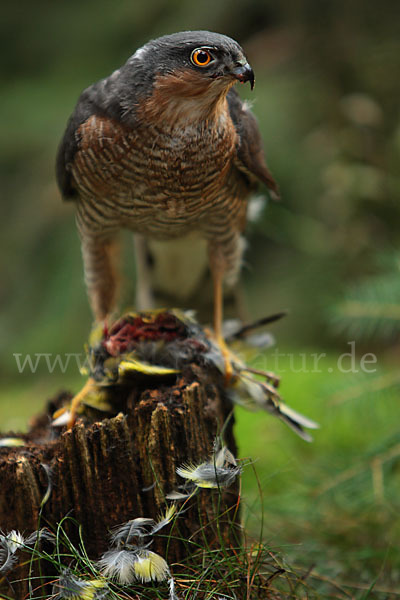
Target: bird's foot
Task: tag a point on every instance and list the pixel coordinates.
(68, 415)
(77, 399)
(268, 375)
(228, 356)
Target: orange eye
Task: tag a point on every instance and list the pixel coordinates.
(200, 57)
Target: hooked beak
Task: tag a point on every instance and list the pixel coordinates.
(244, 73)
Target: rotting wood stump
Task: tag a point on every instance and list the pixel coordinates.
(121, 467)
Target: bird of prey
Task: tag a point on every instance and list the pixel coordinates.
(166, 148)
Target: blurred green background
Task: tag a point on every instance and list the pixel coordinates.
(327, 100)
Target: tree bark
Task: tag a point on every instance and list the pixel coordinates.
(122, 467)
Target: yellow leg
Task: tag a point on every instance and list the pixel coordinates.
(218, 318)
(76, 401)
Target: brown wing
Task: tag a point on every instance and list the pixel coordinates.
(112, 101)
(250, 151)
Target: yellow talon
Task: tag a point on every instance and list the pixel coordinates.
(227, 356)
(58, 413)
(76, 400)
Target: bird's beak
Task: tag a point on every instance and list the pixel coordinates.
(244, 73)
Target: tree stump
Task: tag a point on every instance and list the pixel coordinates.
(121, 467)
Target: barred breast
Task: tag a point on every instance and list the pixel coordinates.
(156, 180)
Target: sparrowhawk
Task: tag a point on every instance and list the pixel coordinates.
(164, 147)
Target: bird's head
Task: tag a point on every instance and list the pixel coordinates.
(196, 65)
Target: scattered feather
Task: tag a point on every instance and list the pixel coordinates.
(130, 365)
(118, 564)
(9, 544)
(7, 560)
(123, 534)
(225, 456)
(164, 519)
(235, 329)
(62, 419)
(40, 536)
(127, 565)
(49, 488)
(261, 340)
(172, 593)
(221, 471)
(12, 442)
(207, 475)
(176, 495)
(71, 587)
(255, 394)
(149, 566)
(13, 540)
